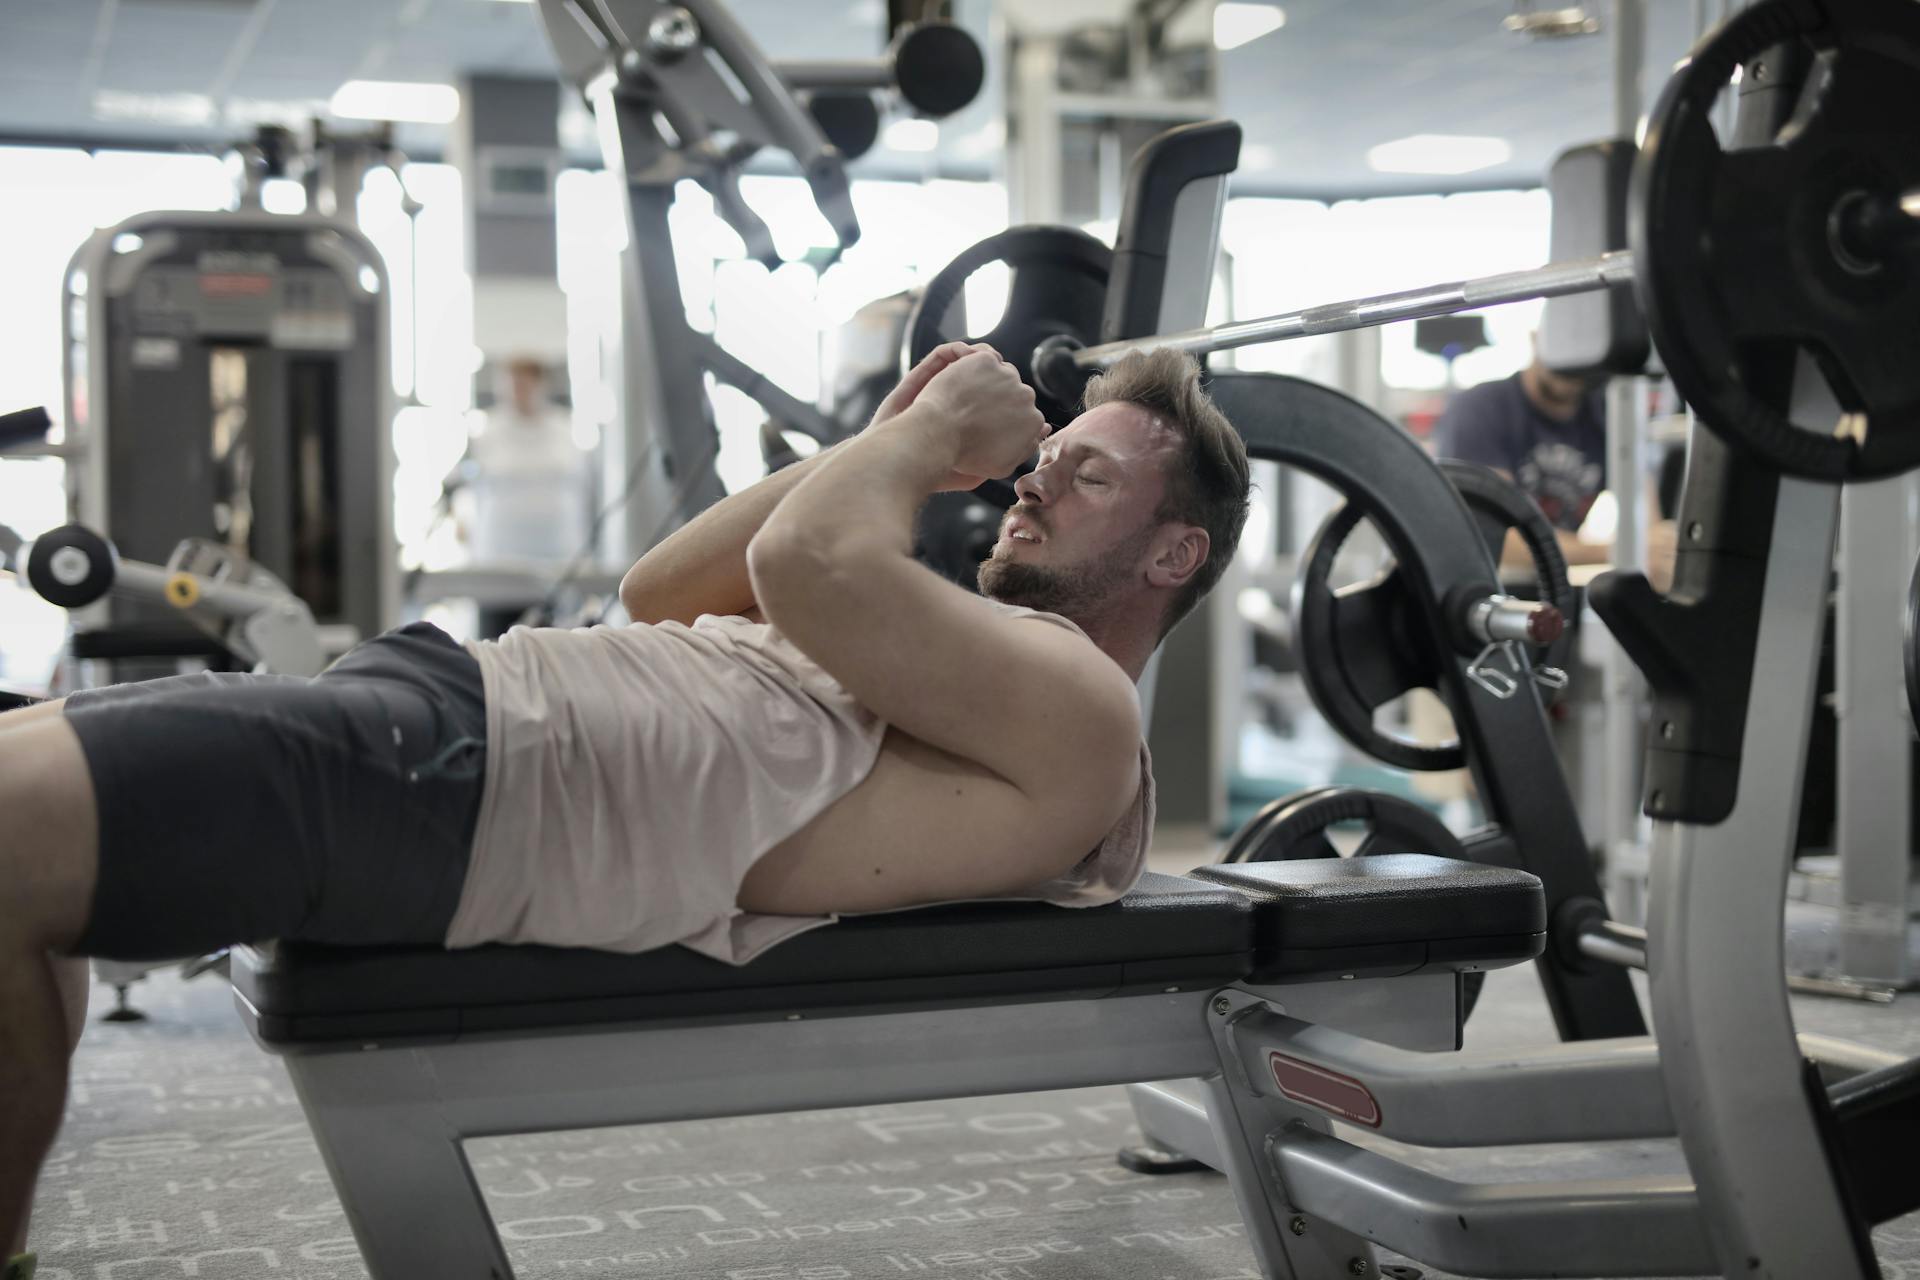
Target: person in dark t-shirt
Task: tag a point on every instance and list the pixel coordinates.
(1547, 433)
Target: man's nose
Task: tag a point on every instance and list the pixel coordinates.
(1030, 488)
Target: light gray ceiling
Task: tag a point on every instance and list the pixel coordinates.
(1339, 77)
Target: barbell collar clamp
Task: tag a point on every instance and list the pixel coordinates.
(1586, 275)
(1485, 671)
(1497, 619)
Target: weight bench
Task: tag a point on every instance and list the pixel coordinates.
(400, 1054)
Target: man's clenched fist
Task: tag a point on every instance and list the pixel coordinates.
(984, 412)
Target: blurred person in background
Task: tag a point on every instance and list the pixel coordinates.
(525, 486)
(1547, 433)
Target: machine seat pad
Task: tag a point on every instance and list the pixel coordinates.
(1221, 925)
(1357, 914)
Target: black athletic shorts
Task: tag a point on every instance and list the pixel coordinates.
(237, 808)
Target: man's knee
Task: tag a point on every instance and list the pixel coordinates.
(48, 835)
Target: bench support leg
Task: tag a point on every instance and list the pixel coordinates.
(1172, 1122)
(399, 1170)
(1287, 1244)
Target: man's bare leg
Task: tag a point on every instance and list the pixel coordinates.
(71, 974)
(48, 861)
(21, 717)
(74, 977)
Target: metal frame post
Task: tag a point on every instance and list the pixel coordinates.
(1873, 787)
(1715, 949)
(665, 452)
(1621, 836)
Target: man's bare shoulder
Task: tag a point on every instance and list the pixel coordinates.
(1085, 736)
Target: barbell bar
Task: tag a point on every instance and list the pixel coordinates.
(1871, 233)
(1863, 227)
(1584, 276)
(1869, 228)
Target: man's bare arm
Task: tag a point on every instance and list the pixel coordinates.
(702, 566)
(833, 571)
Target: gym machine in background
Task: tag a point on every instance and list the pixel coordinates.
(229, 412)
(227, 379)
(640, 63)
(242, 606)
(1855, 843)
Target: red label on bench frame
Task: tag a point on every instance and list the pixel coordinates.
(1338, 1095)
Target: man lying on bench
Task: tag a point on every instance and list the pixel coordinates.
(800, 722)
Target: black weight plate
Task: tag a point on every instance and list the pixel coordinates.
(849, 119)
(71, 566)
(1057, 285)
(1358, 651)
(1248, 837)
(953, 533)
(1367, 644)
(1394, 825)
(938, 67)
(1740, 256)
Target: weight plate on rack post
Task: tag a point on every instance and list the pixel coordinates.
(1745, 256)
(1296, 827)
(1367, 644)
(1057, 286)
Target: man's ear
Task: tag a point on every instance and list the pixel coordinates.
(1178, 552)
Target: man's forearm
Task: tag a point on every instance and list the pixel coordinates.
(866, 495)
(702, 566)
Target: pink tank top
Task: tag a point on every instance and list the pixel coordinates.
(635, 774)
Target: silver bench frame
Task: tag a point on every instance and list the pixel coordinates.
(390, 1120)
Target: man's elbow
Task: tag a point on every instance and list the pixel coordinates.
(777, 570)
(635, 598)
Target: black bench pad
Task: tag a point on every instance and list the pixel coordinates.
(1171, 931)
(1357, 915)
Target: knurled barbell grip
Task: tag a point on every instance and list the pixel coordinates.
(1586, 275)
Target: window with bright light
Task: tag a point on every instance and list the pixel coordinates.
(433, 353)
(1290, 253)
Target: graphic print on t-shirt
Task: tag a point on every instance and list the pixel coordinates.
(1562, 479)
